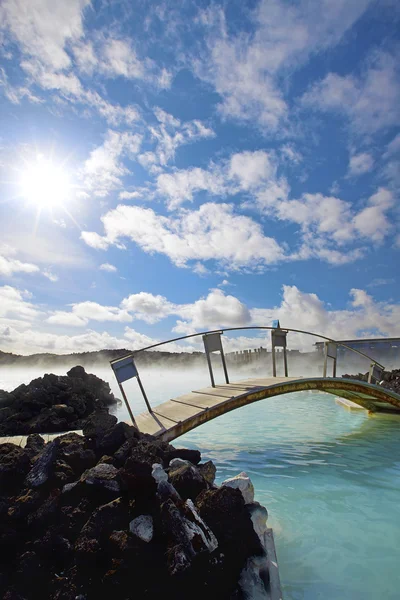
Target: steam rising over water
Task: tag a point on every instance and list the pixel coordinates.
(329, 477)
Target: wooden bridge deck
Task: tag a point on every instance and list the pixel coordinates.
(179, 415)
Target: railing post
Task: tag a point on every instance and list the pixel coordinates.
(285, 362)
(325, 360)
(273, 362)
(210, 369)
(144, 393)
(330, 351)
(224, 365)
(127, 405)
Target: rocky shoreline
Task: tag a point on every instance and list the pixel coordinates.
(54, 403)
(390, 379)
(115, 513)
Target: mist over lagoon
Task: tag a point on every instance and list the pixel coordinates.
(313, 464)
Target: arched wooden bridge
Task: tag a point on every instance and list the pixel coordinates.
(182, 414)
(179, 415)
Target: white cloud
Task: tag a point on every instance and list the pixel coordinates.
(327, 220)
(51, 276)
(119, 58)
(369, 101)
(104, 169)
(308, 312)
(213, 232)
(290, 154)
(179, 186)
(300, 310)
(108, 267)
(148, 307)
(69, 89)
(372, 222)
(214, 311)
(66, 83)
(169, 134)
(32, 341)
(16, 93)
(200, 269)
(83, 312)
(9, 266)
(244, 171)
(44, 27)
(391, 170)
(360, 164)
(60, 317)
(393, 147)
(15, 304)
(85, 57)
(244, 66)
(378, 281)
(251, 168)
(129, 195)
(115, 114)
(150, 162)
(94, 240)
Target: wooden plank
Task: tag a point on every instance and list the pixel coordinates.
(202, 400)
(176, 411)
(152, 424)
(221, 394)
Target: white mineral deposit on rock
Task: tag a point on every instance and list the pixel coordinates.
(158, 473)
(243, 483)
(142, 527)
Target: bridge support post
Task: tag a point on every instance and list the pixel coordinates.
(273, 362)
(210, 369)
(330, 351)
(278, 340)
(127, 405)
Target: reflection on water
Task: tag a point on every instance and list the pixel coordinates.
(329, 477)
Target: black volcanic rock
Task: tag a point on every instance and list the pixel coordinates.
(82, 539)
(390, 379)
(55, 403)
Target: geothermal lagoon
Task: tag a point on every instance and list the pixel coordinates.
(330, 478)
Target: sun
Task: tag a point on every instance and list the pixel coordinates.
(45, 183)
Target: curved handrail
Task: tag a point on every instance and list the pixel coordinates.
(185, 337)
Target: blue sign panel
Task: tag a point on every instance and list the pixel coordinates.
(275, 324)
(124, 369)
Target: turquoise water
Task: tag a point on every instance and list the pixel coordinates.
(329, 477)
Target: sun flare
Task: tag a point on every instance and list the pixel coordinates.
(45, 183)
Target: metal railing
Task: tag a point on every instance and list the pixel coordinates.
(124, 367)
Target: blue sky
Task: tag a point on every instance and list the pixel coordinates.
(169, 168)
